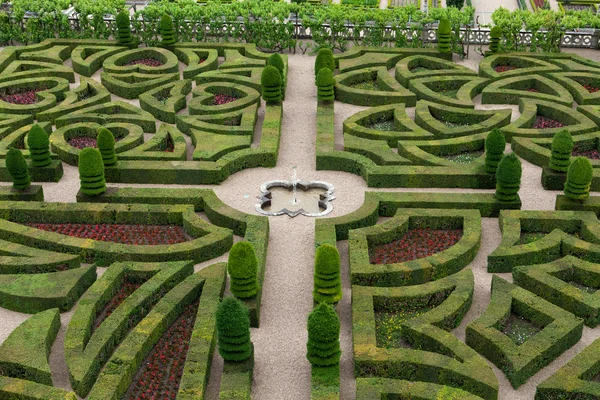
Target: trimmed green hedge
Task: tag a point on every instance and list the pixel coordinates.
(115, 111)
(18, 389)
(132, 85)
(524, 64)
(455, 91)
(575, 83)
(54, 91)
(385, 89)
(165, 101)
(424, 66)
(116, 64)
(375, 388)
(512, 90)
(87, 59)
(156, 147)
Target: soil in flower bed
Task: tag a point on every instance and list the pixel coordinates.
(222, 98)
(170, 146)
(417, 243)
(126, 290)
(161, 371)
(388, 326)
(519, 330)
(86, 94)
(20, 96)
(591, 89)
(163, 95)
(151, 235)
(592, 153)
(365, 85)
(148, 62)
(81, 142)
(530, 237)
(584, 288)
(386, 126)
(533, 90)
(464, 157)
(504, 68)
(546, 123)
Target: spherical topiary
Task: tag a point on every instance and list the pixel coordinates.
(508, 178)
(39, 147)
(276, 61)
(494, 150)
(444, 36)
(270, 81)
(242, 266)
(17, 168)
(106, 144)
(167, 31)
(579, 179)
(233, 328)
(562, 148)
(91, 172)
(124, 29)
(325, 91)
(328, 284)
(495, 35)
(323, 347)
(324, 60)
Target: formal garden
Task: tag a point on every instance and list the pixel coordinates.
(455, 252)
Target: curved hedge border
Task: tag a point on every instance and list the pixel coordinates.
(87, 350)
(431, 89)
(202, 102)
(253, 228)
(376, 388)
(242, 76)
(365, 57)
(116, 111)
(433, 67)
(559, 242)
(18, 139)
(512, 90)
(431, 152)
(54, 55)
(197, 61)
(388, 90)
(574, 82)
(29, 260)
(132, 85)
(54, 92)
(559, 331)
(155, 148)
(525, 64)
(437, 266)
(88, 59)
(239, 122)
(537, 150)
(172, 99)
(24, 353)
(115, 64)
(19, 389)
(130, 135)
(436, 355)
(209, 240)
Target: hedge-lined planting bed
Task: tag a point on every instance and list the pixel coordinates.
(559, 330)
(537, 87)
(419, 66)
(132, 85)
(167, 144)
(165, 101)
(515, 64)
(453, 90)
(583, 86)
(116, 111)
(31, 95)
(364, 57)
(371, 87)
(126, 62)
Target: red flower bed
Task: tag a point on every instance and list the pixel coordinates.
(546, 123)
(504, 68)
(591, 89)
(124, 292)
(148, 62)
(592, 154)
(533, 90)
(161, 371)
(222, 98)
(82, 142)
(120, 233)
(417, 243)
(20, 96)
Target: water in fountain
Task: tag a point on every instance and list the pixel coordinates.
(294, 187)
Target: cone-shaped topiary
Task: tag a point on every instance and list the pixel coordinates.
(323, 347)
(328, 284)
(579, 179)
(242, 266)
(495, 35)
(106, 144)
(325, 91)
(233, 328)
(324, 60)
(494, 150)
(167, 31)
(124, 29)
(562, 148)
(91, 172)
(17, 168)
(508, 178)
(276, 61)
(444, 36)
(270, 81)
(39, 147)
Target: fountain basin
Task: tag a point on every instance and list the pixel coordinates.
(313, 198)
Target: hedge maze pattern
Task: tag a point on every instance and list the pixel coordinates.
(443, 144)
(139, 94)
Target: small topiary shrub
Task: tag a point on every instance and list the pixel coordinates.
(495, 35)
(106, 144)
(39, 147)
(323, 347)
(494, 150)
(167, 31)
(276, 61)
(271, 85)
(325, 91)
(579, 179)
(444, 35)
(91, 172)
(124, 29)
(242, 266)
(233, 328)
(324, 60)
(17, 168)
(508, 178)
(562, 148)
(328, 283)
